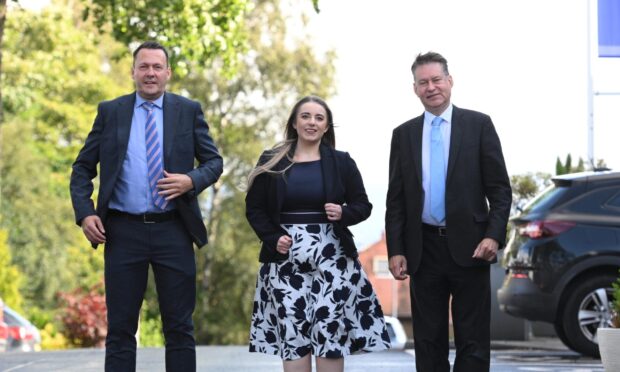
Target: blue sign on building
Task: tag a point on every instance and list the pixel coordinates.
(609, 28)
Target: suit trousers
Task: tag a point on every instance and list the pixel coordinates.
(437, 279)
(130, 248)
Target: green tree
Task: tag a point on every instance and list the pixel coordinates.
(197, 31)
(53, 80)
(559, 167)
(568, 164)
(32, 214)
(10, 276)
(526, 186)
(3, 12)
(567, 167)
(246, 114)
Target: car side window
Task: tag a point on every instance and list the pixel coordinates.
(614, 202)
(599, 201)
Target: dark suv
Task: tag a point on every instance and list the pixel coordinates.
(562, 256)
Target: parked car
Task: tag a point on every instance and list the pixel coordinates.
(398, 337)
(562, 256)
(4, 329)
(23, 335)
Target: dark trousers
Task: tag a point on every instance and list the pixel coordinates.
(131, 246)
(438, 278)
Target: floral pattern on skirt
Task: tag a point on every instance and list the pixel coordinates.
(319, 301)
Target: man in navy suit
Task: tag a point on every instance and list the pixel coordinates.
(446, 244)
(147, 214)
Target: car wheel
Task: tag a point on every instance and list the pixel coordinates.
(558, 326)
(587, 308)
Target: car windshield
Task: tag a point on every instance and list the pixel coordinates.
(545, 199)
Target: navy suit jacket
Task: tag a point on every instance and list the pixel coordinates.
(343, 185)
(186, 139)
(478, 194)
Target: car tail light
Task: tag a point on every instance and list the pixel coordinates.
(17, 333)
(543, 229)
(519, 275)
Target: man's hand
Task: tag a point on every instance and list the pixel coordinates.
(486, 250)
(174, 185)
(398, 267)
(93, 229)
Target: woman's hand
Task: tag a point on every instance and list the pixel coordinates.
(333, 211)
(284, 244)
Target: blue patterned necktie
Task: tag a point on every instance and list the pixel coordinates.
(153, 155)
(438, 175)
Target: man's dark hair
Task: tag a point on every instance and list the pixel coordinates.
(430, 57)
(150, 45)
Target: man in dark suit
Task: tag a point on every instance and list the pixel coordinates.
(448, 204)
(146, 144)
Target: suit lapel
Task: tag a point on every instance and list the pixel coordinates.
(329, 172)
(124, 116)
(171, 117)
(415, 149)
(456, 135)
(281, 179)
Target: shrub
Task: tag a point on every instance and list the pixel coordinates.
(52, 339)
(150, 332)
(84, 317)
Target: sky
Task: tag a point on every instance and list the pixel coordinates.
(525, 63)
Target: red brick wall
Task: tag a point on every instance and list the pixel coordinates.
(385, 286)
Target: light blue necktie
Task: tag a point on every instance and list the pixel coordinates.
(153, 155)
(438, 175)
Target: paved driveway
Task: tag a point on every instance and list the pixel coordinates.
(238, 359)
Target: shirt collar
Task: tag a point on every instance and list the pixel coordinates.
(446, 115)
(159, 102)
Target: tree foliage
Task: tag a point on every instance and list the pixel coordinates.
(567, 166)
(53, 80)
(10, 276)
(526, 186)
(3, 13)
(198, 31)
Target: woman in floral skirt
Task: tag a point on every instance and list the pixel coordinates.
(312, 296)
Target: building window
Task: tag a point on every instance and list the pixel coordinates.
(381, 267)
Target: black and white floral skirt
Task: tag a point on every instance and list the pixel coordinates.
(319, 301)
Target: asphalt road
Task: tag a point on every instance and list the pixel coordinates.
(238, 359)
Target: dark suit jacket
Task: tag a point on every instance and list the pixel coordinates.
(343, 185)
(186, 138)
(476, 174)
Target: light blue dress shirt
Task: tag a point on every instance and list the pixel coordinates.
(446, 128)
(131, 191)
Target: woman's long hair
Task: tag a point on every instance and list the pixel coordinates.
(286, 147)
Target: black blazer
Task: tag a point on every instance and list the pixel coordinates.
(186, 139)
(343, 185)
(476, 174)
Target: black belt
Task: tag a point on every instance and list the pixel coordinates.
(145, 217)
(438, 230)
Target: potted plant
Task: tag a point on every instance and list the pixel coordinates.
(609, 337)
